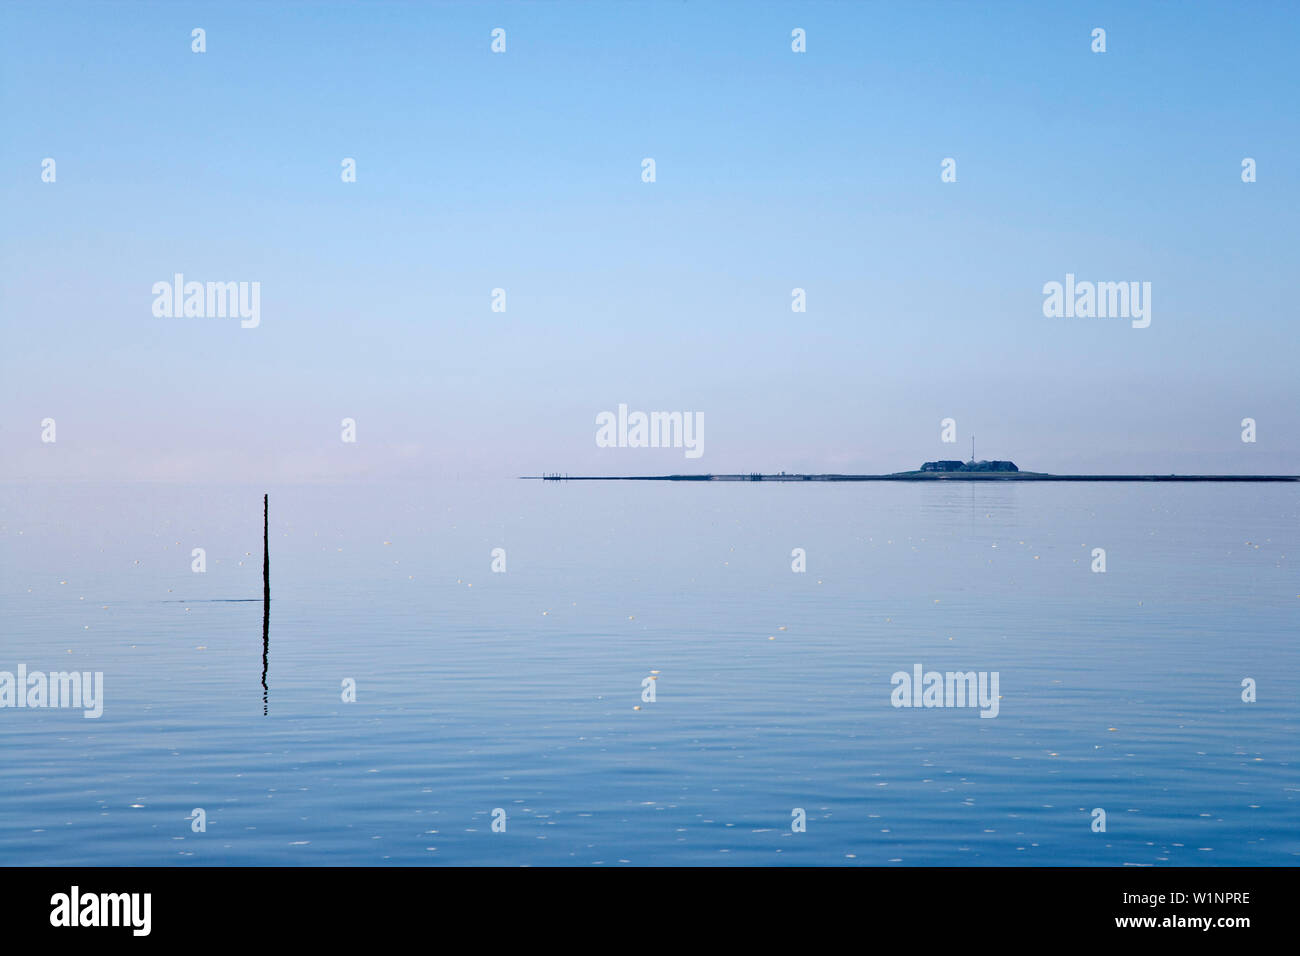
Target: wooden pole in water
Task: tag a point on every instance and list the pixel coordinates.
(266, 597)
(266, 549)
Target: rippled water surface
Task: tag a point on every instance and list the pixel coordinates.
(477, 690)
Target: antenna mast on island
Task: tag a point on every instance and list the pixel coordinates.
(972, 449)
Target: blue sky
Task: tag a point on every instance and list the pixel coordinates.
(521, 170)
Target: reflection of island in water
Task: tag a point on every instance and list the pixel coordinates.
(930, 471)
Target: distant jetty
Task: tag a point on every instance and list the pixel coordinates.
(930, 471)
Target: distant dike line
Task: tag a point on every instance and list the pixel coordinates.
(919, 476)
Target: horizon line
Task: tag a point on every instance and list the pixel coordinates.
(916, 476)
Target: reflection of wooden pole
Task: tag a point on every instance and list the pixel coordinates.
(266, 550)
(266, 649)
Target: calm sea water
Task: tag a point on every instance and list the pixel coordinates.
(478, 690)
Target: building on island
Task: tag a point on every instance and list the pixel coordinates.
(969, 466)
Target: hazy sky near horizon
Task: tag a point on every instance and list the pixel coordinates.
(523, 171)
